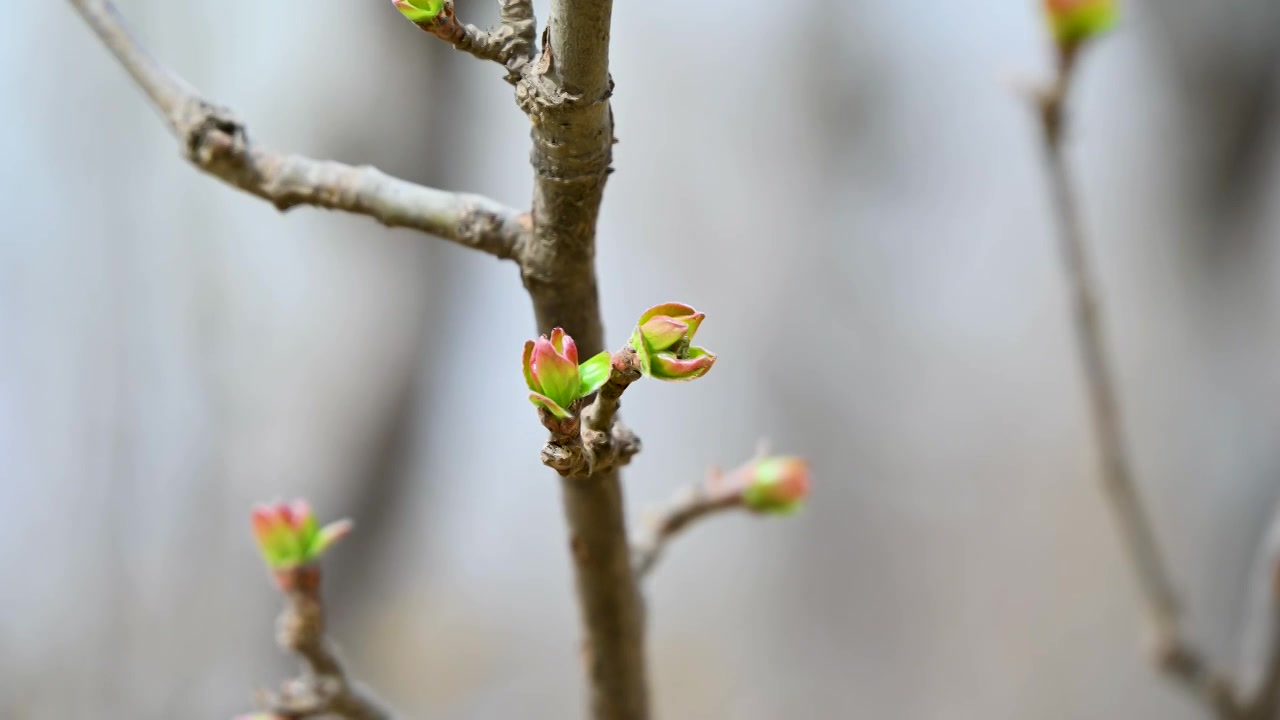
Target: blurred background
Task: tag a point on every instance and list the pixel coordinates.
(854, 194)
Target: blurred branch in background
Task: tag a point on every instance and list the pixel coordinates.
(1074, 25)
(1172, 651)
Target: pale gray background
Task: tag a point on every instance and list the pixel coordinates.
(849, 189)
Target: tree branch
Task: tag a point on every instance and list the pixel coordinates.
(566, 95)
(694, 503)
(324, 689)
(613, 643)
(214, 141)
(566, 92)
(1172, 652)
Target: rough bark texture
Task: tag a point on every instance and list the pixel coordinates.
(613, 646)
(566, 94)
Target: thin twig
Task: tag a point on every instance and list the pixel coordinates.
(1173, 653)
(512, 44)
(324, 689)
(692, 504)
(217, 143)
(599, 431)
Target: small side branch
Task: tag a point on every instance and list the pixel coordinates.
(600, 433)
(694, 503)
(324, 689)
(217, 143)
(512, 44)
(1172, 651)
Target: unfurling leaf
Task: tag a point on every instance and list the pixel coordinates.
(663, 341)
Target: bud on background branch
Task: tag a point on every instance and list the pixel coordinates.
(291, 539)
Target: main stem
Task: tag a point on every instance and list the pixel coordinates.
(572, 149)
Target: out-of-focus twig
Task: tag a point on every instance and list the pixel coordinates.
(324, 689)
(217, 143)
(694, 503)
(1172, 651)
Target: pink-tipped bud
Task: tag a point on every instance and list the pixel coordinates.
(289, 536)
(555, 378)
